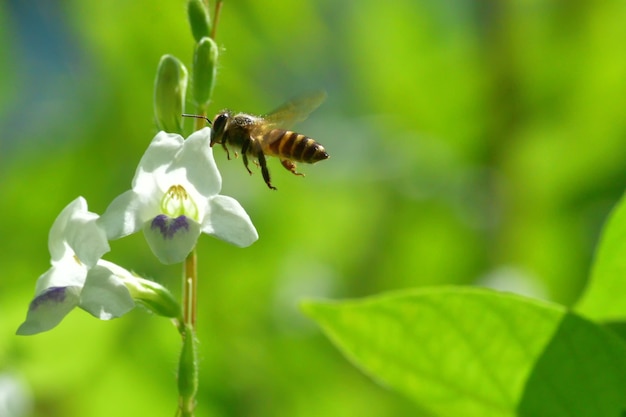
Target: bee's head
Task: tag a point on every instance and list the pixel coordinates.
(219, 125)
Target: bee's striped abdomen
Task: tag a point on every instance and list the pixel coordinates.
(295, 146)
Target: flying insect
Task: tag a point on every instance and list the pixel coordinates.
(269, 135)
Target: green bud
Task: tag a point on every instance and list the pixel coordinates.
(169, 94)
(204, 70)
(188, 371)
(155, 297)
(199, 19)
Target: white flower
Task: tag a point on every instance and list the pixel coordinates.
(78, 277)
(174, 198)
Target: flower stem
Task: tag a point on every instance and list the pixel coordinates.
(216, 16)
(188, 366)
(190, 285)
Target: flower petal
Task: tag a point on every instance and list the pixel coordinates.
(56, 237)
(196, 157)
(171, 239)
(228, 221)
(127, 213)
(104, 295)
(87, 239)
(76, 227)
(48, 309)
(158, 156)
(64, 273)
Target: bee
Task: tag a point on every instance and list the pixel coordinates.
(260, 136)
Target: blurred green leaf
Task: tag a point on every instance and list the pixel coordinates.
(475, 352)
(601, 300)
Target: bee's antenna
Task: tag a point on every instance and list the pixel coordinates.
(198, 117)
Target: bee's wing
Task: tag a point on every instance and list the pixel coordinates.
(294, 111)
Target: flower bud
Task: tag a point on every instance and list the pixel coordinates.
(204, 70)
(154, 296)
(169, 94)
(188, 370)
(199, 19)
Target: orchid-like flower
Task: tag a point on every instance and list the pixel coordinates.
(78, 277)
(174, 198)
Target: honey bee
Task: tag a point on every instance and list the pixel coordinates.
(261, 136)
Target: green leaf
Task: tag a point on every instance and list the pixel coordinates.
(604, 298)
(475, 352)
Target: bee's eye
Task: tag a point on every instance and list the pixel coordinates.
(219, 124)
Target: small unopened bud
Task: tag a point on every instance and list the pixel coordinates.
(199, 19)
(204, 70)
(169, 94)
(155, 297)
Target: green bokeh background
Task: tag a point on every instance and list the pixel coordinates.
(472, 142)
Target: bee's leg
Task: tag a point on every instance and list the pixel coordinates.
(226, 149)
(244, 155)
(264, 170)
(245, 162)
(290, 166)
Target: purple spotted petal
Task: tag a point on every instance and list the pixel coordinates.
(168, 227)
(48, 309)
(171, 239)
(51, 295)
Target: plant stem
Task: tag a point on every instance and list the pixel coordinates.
(190, 285)
(188, 367)
(218, 7)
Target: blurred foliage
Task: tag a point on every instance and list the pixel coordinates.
(474, 142)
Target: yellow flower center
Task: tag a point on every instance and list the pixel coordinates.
(176, 202)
